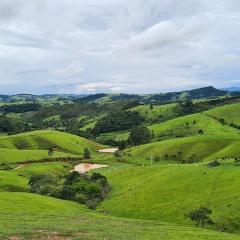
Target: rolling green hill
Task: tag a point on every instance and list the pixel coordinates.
(38, 217)
(153, 186)
(43, 140)
(188, 149)
(11, 181)
(190, 126)
(159, 113)
(169, 192)
(9, 156)
(55, 168)
(230, 113)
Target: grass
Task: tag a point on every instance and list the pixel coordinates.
(158, 113)
(11, 156)
(190, 126)
(197, 148)
(44, 139)
(168, 192)
(11, 181)
(230, 113)
(54, 168)
(114, 136)
(143, 198)
(32, 216)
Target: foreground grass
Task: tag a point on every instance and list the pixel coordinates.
(169, 192)
(29, 216)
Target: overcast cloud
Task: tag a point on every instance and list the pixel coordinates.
(137, 46)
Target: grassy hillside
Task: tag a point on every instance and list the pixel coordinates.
(168, 192)
(158, 113)
(11, 181)
(114, 136)
(230, 113)
(43, 140)
(38, 217)
(18, 156)
(190, 125)
(54, 168)
(193, 149)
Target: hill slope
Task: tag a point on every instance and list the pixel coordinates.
(43, 140)
(230, 113)
(169, 192)
(190, 126)
(38, 217)
(188, 150)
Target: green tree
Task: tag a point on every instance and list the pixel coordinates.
(139, 135)
(86, 153)
(151, 106)
(201, 216)
(200, 132)
(50, 152)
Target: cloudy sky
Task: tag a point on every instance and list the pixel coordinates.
(131, 46)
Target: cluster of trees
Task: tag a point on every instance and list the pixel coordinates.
(20, 108)
(117, 121)
(13, 125)
(81, 188)
(179, 157)
(140, 135)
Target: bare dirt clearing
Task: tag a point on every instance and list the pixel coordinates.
(85, 167)
(108, 150)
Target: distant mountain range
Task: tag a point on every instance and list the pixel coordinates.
(200, 93)
(232, 89)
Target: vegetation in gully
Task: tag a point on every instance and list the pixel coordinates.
(175, 174)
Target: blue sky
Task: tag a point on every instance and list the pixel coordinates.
(137, 46)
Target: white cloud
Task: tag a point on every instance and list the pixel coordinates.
(71, 70)
(117, 45)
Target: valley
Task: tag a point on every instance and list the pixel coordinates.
(120, 166)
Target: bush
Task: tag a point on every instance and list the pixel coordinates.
(214, 163)
(92, 204)
(67, 193)
(86, 154)
(81, 198)
(201, 216)
(38, 183)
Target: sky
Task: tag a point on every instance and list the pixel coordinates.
(128, 46)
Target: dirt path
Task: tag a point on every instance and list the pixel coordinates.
(108, 150)
(85, 167)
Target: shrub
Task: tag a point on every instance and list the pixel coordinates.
(67, 193)
(201, 216)
(86, 153)
(214, 163)
(38, 183)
